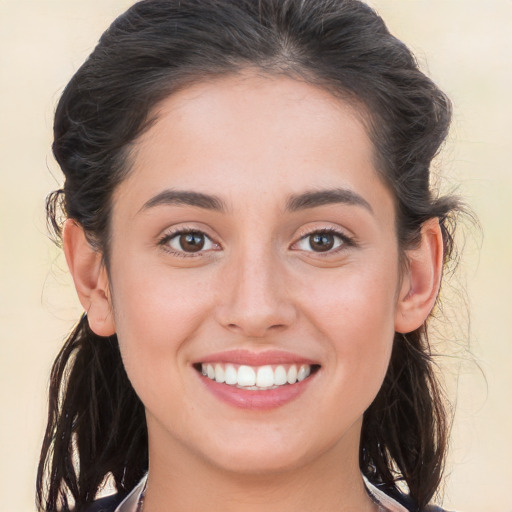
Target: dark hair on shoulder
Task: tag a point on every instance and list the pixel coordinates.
(96, 424)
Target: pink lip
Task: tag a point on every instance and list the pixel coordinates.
(256, 358)
(256, 400)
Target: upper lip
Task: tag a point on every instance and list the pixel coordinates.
(249, 358)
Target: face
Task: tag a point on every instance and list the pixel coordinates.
(254, 275)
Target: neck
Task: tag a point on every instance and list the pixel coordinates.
(180, 481)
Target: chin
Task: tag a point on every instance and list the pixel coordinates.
(260, 462)
(267, 451)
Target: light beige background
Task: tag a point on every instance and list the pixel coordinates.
(468, 47)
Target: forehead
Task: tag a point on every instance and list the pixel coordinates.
(250, 135)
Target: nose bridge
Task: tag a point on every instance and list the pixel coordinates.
(255, 279)
(256, 298)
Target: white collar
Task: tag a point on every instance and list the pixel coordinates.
(131, 502)
(383, 499)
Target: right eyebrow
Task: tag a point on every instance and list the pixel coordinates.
(185, 197)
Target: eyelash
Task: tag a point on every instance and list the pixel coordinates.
(165, 240)
(345, 241)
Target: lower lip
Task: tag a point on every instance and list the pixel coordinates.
(256, 399)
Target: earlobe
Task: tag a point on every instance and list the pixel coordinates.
(422, 279)
(90, 277)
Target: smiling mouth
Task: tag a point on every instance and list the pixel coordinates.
(256, 378)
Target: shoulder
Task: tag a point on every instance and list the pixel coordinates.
(409, 504)
(107, 504)
(398, 501)
(123, 501)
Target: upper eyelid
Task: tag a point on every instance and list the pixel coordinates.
(347, 242)
(164, 242)
(184, 228)
(326, 229)
(300, 234)
(170, 233)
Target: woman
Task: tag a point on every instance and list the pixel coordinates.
(248, 221)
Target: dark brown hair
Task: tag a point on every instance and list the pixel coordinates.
(96, 424)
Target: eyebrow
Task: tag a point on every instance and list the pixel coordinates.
(316, 198)
(310, 199)
(184, 197)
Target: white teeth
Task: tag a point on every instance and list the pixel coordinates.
(304, 371)
(292, 374)
(246, 376)
(219, 373)
(231, 375)
(265, 377)
(255, 378)
(280, 376)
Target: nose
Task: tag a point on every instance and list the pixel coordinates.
(254, 298)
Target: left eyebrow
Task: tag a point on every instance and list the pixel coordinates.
(185, 197)
(312, 199)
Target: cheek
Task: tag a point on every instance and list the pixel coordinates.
(353, 302)
(156, 306)
(354, 312)
(155, 315)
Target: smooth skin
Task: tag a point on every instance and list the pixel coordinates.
(276, 161)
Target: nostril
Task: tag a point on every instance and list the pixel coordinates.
(255, 330)
(255, 320)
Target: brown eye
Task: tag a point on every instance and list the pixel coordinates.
(321, 242)
(189, 242)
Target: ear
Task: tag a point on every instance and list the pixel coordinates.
(90, 277)
(421, 280)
